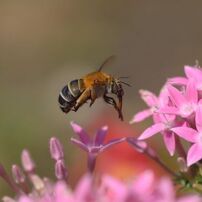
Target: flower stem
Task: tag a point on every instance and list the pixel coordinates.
(142, 147)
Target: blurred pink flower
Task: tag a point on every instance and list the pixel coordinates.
(30, 187)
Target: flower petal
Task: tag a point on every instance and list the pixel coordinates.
(80, 132)
(191, 93)
(149, 97)
(168, 110)
(178, 80)
(198, 118)
(140, 116)
(186, 133)
(84, 188)
(139, 186)
(194, 154)
(193, 72)
(111, 143)
(176, 96)
(169, 140)
(156, 128)
(79, 144)
(100, 135)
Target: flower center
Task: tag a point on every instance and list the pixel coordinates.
(186, 110)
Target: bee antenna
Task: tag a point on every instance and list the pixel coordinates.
(105, 62)
(127, 84)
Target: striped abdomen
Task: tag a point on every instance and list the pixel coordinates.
(69, 95)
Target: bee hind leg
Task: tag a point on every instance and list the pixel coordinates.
(93, 97)
(82, 99)
(111, 101)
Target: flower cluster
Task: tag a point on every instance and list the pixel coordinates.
(177, 114)
(143, 188)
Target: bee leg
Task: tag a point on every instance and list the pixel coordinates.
(93, 97)
(120, 107)
(111, 101)
(82, 99)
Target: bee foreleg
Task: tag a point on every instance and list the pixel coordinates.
(82, 99)
(111, 101)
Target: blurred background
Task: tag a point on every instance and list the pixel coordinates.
(45, 44)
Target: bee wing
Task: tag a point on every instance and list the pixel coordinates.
(109, 59)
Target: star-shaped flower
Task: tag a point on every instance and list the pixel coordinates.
(194, 136)
(93, 146)
(183, 103)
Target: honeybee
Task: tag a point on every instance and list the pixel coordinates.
(90, 87)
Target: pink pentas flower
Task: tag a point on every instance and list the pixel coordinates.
(184, 103)
(194, 136)
(152, 102)
(164, 125)
(194, 73)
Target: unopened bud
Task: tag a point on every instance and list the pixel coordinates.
(60, 170)
(27, 162)
(56, 149)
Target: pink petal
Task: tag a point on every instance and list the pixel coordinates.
(25, 198)
(80, 132)
(140, 116)
(149, 97)
(156, 128)
(193, 72)
(113, 189)
(194, 154)
(166, 190)
(198, 118)
(163, 99)
(62, 192)
(178, 80)
(186, 133)
(168, 110)
(139, 186)
(191, 93)
(176, 96)
(169, 140)
(84, 188)
(100, 135)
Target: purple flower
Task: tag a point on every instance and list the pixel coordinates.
(93, 146)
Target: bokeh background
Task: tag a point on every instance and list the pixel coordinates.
(45, 44)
